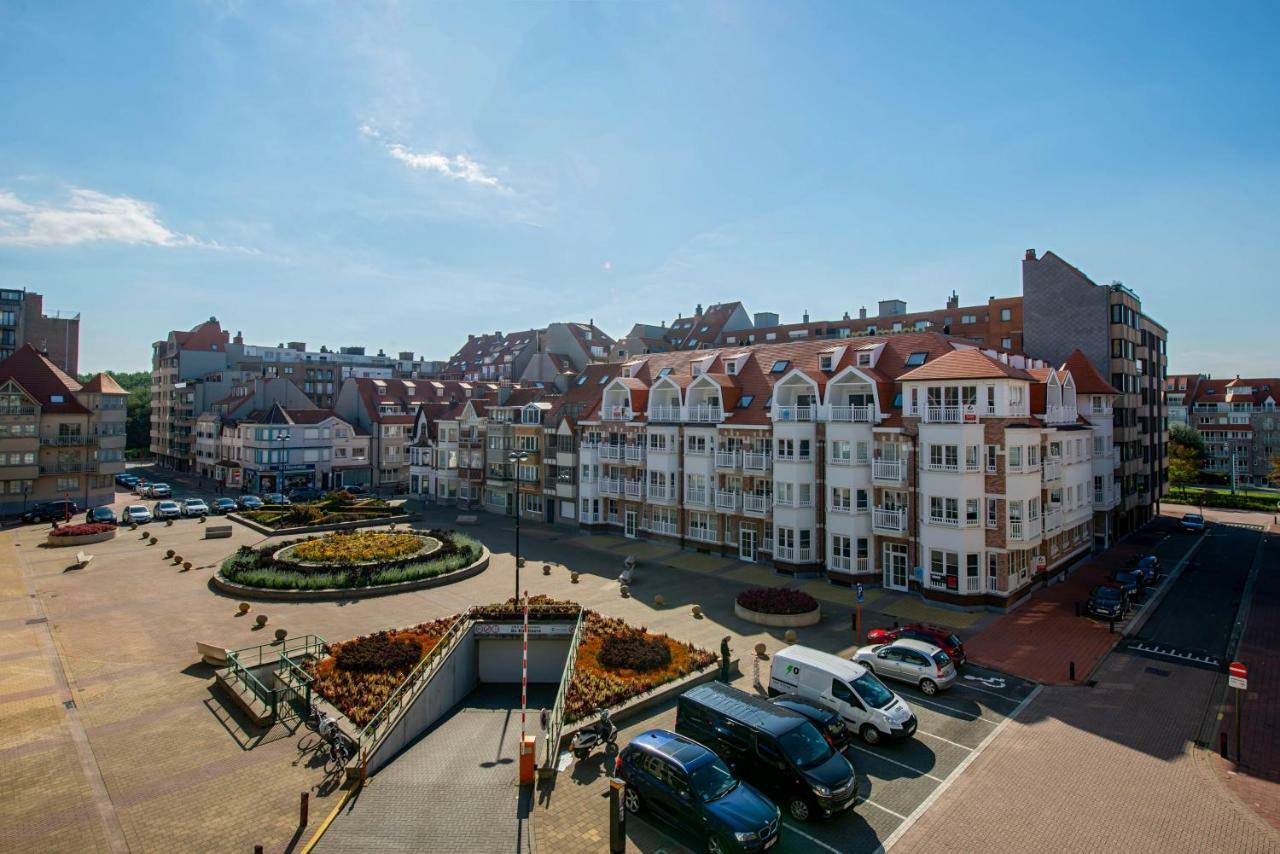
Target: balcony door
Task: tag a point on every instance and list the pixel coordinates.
(629, 524)
(895, 566)
(747, 543)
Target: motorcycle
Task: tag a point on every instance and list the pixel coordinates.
(603, 731)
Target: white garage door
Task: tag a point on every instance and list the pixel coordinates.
(500, 659)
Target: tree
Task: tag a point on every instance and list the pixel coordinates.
(1273, 476)
(1180, 435)
(1182, 471)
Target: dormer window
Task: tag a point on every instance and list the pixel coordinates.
(381, 390)
(582, 379)
(604, 379)
(864, 360)
(731, 368)
(824, 362)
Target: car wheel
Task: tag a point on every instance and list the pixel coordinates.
(631, 800)
(929, 687)
(716, 845)
(869, 734)
(799, 809)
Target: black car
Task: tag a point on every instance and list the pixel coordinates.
(101, 515)
(305, 494)
(1108, 601)
(775, 749)
(223, 505)
(828, 722)
(58, 509)
(355, 489)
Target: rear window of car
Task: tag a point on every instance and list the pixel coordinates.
(952, 640)
(941, 658)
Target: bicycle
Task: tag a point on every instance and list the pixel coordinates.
(341, 749)
(321, 725)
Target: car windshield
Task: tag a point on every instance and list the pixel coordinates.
(806, 746)
(712, 780)
(872, 691)
(1106, 593)
(136, 508)
(1191, 517)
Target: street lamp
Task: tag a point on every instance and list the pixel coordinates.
(515, 458)
(284, 438)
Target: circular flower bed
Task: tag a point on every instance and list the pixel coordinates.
(359, 560)
(777, 606)
(78, 535)
(356, 548)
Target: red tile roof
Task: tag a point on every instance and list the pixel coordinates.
(963, 365)
(103, 384)
(43, 380)
(1086, 376)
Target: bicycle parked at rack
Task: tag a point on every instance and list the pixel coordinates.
(327, 733)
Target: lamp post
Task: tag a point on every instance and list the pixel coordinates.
(515, 458)
(284, 438)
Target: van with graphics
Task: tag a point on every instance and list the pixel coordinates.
(869, 707)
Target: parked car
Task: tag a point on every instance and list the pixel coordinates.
(100, 515)
(828, 722)
(1108, 602)
(275, 498)
(159, 490)
(126, 480)
(135, 514)
(304, 494)
(868, 707)
(139, 487)
(921, 664)
(1149, 565)
(772, 748)
(1132, 582)
(167, 510)
(684, 783)
(224, 505)
(192, 507)
(57, 509)
(355, 489)
(249, 502)
(944, 639)
(1193, 523)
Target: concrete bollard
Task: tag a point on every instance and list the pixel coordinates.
(302, 809)
(1222, 745)
(1073, 671)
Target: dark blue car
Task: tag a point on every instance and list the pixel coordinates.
(678, 780)
(1108, 601)
(1132, 581)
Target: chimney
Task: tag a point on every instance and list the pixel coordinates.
(862, 313)
(698, 310)
(239, 339)
(1030, 256)
(953, 301)
(470, 337)
(846, 316)
(805, 316)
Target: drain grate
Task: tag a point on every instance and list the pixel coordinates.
(68, 704)
(1155, 671)
(37, 621)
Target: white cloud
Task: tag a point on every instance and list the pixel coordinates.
(458, 166)
(88, 216)
(370, 131)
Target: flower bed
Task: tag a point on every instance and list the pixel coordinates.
(333, 508)
(779, 607)
(80, 535)
(356, 548)
(262, 567)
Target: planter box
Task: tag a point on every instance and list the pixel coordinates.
(242, 591)
(402, 519)
(83, 539)
(779, 621)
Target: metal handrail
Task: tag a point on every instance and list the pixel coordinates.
(240, 673)
(368, 735)
(556, 724)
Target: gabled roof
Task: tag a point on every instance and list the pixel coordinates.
(43, 380)
(102, 383)
(1086, 376)
(964, 364)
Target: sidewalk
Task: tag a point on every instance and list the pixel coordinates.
(1040, 639)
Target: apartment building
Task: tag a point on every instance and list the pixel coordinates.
(23, 321)
(1179, 392)
(546, 355)
(283, 449)
(1065, 310)
(57, 437)
(1239, 421)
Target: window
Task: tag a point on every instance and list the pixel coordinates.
(864, 359)
(840, 499)
(780, 366)
(915, 360)
(745, 400)
(825, 362)
(1015, 456)
(992, 514)
(971, 511)
(1006, 314)
(582, 379)
(604, 379)
(968, 318)
(1006, 343)
(804, 449)
(862, 504)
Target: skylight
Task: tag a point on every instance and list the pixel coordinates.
(604, 378)
(915, 360)
(745, 401)
(662, 373)
(780, 366)
(582, 379)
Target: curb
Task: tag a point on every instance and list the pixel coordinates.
(1149, 607)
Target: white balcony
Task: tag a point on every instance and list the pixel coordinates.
(1060, 415)
(1052, 521)
(610, 486)
(889, 521)
(727, 500)
(944, 414)
(943, 467)
(1052, 468)
(704, 414)
(664, 413)
(855, 414)
(668, 528)
(701, 534)
(660, 492)
(844, 509)
(755, 462)
(696, 496)
(616, 413)
(633, 453)
(945, 521)
(633, 488)
(727, 459)
(846, 460)
(793, 413)
(840, 563)
(611, 452)
(888, 471)
(585, 518)
(757, 505)
(1020, 531)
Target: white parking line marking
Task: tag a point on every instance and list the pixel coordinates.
(901, 829)
(925, 702)
(989, 681)
(898, 816)
(791, 828)
(940, 738)
(1004, 697)
(895, 762)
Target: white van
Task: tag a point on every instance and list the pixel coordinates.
(870, 708)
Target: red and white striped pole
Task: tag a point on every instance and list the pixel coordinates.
(524, 670)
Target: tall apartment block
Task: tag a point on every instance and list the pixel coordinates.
(1238, 418)
(1064, 310)
(23, 321)
(58, 437)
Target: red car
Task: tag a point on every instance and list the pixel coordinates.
(942, 638)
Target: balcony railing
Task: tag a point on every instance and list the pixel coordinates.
(664, 413)
(610, 486)
(889, 520)
(727, 500)
(1018, 530)
(65, 441)
(701, 534)
(844, 563)
(696, 496)
(660, 491)
(1052, 521)
(844, 460)
(793, 413)
(633, 453)
(668, 528)
(888, 471)
(1052, 469)
(1060, 414)
(616, 413)
(704, 414)
(946, 467)
(755, 462)
(726, 459)
(17, 410)
(790, 554)
(856, 414)
(755, 504)
(944, 414)
(611, 452)
(633, 488)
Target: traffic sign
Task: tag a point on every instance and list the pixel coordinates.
(1237, 676)
(858, 593)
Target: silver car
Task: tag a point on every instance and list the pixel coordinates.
(922, 664)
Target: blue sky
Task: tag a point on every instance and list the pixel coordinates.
(396, 175)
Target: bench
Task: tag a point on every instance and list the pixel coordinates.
(82, 560)
(214, 532)
(468, 519)
(210, 654)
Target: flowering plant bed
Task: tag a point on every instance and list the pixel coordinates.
(350, 549)
(333, 508)
(263, 567)
(82, 530)
(780, 607)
